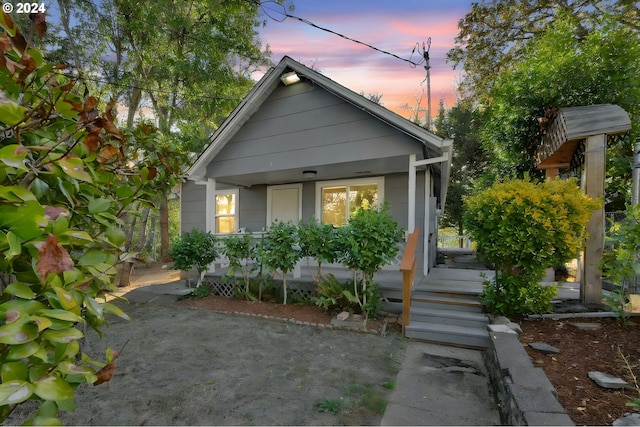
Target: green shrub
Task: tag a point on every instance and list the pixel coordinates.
(319, 241)
(241, 252)
(368, 242)
(279, 250)
(622, 264)
(523, 228)
(194, 248)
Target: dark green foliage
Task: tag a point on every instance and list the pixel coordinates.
(241, 252)
(319, 241)
(195, 248)
(280, 250)
(369, 241)
(622, 264)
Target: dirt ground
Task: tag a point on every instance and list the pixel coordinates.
(582, 351)
(185, 365)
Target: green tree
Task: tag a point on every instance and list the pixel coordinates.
(65, 188)
(369, 241)
(559, 69)
(495, 33)
(195, 248)
(461, 124)
(280, 250)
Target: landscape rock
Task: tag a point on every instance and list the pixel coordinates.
(586, 326)
(628, 420)
(501, 320)
(607, 381)
(544, 348)
(343, 316)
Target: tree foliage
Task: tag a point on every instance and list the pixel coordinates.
(495, 33)
(461, 124)
(559, 70)
(195, 248)
(66, 184)
(280, 250)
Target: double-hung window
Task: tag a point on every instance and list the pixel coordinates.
(226, 211)
(337, 201)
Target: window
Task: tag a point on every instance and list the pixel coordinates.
(337, 201)
(226, 211)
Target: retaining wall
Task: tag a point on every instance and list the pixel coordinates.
(524, 393)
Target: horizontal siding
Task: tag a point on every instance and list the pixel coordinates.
(193, 207)
(253, 208)
(311, 127)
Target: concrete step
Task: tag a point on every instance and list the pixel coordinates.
(449, 317)
(449, 302)
(459, 336)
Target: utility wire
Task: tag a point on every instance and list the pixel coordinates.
(279, 9)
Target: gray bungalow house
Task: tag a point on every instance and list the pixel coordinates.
(299, 144)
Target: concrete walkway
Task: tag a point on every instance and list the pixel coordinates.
(441, 385)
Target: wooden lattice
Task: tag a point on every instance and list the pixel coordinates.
(219, 286)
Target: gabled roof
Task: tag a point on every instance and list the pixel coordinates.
(270, 81)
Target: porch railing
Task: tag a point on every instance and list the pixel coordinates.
(454, 242)
(408, 268)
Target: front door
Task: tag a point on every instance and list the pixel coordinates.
(284, 203)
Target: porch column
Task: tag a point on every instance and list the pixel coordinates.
(551, 173)
(594, 175)
(411, 209)
(210, 212)
(427, 221)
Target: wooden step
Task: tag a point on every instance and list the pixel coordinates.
(449, 317)
(459, 336)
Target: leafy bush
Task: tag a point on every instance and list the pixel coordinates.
(241, 251)
(522, 228)
(333, 296)
(64, 188)
(318, 241)
(280, 251)
(622, 264)
(194, 248)
(368, 242)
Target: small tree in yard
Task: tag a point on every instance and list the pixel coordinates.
(319, 241)
(280, 250)
(368, 242)
(195, 248)
(523, 228)
(240, 251)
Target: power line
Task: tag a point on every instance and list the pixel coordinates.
(279, 9)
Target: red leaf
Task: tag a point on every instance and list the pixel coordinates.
(90, 104)
(107, 152)
(52, 258)
(40, 21)
(92, 142)
(104, 375)
(53, 212)
(153, 171)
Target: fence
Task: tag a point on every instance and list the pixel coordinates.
(455, 242)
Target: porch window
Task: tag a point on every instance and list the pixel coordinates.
(337, 201)
(226, 211)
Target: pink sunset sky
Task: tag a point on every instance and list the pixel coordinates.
(392, 26)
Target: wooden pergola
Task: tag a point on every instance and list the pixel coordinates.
(576, 140)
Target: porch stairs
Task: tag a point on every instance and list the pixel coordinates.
(445, 308)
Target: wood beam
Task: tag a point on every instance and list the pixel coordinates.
(594, 176)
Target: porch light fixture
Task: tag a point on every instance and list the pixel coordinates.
(290, 78)
(309, 174)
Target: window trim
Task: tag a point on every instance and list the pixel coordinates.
(378, 180)
(236, 192)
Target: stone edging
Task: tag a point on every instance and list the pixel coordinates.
(524, 393)
(298, 322)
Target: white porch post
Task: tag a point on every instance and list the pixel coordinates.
(411, 220)
(427, 221)
(210, 211)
